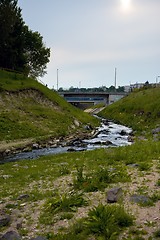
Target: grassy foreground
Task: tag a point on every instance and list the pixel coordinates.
(64, 196)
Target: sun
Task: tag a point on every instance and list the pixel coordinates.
(126, 4)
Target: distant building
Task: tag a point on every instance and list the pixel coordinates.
(131, 87)
(127, 88)
(136, 85)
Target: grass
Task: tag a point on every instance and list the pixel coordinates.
(63, 204)
(102, 222)
(100, 178)
(59, 185)
(29, 109)
(107, 221)
(102, 168)
(139, 110)
(157, 234)
(113, 160)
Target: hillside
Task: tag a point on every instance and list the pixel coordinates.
(30, 110)
(139, 110)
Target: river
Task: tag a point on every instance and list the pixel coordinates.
(109, 134)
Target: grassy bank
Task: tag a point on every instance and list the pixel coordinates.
(30, 110)
(140, 110)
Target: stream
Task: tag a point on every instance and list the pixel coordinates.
(109, 134)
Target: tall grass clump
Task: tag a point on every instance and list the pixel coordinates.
(104, 222)
(100, 178)
(108, 220)
(61, 203)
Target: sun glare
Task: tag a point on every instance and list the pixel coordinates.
(126, 4)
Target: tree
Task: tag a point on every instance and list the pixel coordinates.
(11, 40)
(36, 54)
(111, 88)
(21, 49)
(120, 89)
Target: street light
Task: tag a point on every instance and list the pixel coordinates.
(57, 80)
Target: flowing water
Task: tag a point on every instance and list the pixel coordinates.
(109, 134)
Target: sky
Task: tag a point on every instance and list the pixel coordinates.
(90, 38)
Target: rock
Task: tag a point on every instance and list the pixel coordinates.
(108, 143)
(123, 133)
(76, 123)
(139, 199)
(114, 195)
(7, 151)
(4, 220)
(130, 138)
(105, 132)
(19, 224)
(106, 122)
(71, 150)
(11, 235)
(39, 238)
(134, 165)
(35, 146)
(88, 127)
(23, 196)
(98, 143)
(156, 130)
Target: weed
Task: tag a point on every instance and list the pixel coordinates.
(158, 183)
(107, 221)
(157, 234)
(99, 178)
(155, 197)
(144, 166)
(150, 223)
(67, 202)
(64, 170)
(66, 215)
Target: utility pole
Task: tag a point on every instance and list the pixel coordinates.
(57, 80)
(115, 78)
(157, 80)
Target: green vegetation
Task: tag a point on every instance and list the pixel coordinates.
(140, 110)
(30, 110)
(99, 178)
(66, 193)
(157, 234)
(53, 182)
(64, 203)
(103, 222)
(21, 49)
(106, 221)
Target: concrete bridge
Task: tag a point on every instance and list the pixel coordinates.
(87, 99)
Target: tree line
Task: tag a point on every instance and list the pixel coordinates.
(21, 49)
(95, 89)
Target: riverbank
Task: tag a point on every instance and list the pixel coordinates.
(25, 145)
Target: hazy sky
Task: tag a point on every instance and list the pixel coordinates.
(89, 38)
